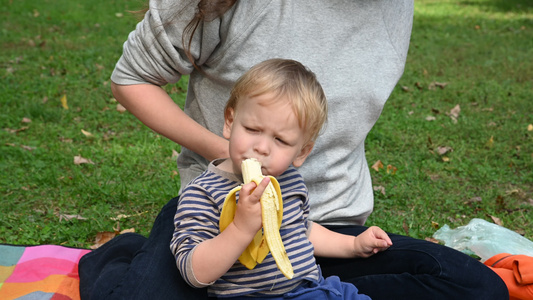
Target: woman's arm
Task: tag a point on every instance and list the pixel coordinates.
(328, 243)
(154, 107)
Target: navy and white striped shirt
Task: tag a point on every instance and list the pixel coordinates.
(197, 220)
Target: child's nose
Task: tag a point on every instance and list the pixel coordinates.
(262, 146)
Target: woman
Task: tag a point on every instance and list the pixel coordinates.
(357, 50)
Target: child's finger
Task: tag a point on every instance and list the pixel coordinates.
(255, 191)
(382, 235)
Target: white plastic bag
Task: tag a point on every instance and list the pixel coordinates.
(484, 239)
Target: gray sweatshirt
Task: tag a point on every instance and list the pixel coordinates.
(357, 48)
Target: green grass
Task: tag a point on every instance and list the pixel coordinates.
(481, 49)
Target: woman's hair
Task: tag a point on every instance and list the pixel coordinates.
(288, 79)
(206, 11)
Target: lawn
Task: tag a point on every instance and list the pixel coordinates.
(454, 142)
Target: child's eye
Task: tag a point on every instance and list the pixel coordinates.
(249, 129)
(282, 141)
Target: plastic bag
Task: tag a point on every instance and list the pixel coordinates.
(484, 239)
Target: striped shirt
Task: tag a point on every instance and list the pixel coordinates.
(197, 220)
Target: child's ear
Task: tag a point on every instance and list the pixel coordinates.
(304, 153)
(228, 123)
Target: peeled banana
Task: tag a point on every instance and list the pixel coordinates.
(268, 238)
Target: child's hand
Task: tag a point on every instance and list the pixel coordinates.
(371, 241)
(248, 213)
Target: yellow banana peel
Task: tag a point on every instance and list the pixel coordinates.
(268, 238)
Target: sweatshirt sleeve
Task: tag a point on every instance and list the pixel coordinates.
(154, 52)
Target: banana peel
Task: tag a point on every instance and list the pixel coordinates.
(268, 238)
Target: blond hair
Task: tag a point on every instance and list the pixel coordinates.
(289, 79)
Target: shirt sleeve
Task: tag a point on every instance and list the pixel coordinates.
(196, 220)
(154, 52)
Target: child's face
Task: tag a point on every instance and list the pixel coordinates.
(266, 129)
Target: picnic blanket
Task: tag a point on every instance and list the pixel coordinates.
(39, 272)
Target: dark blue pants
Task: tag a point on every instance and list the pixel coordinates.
(131, 266)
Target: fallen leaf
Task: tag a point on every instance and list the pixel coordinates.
(432, 240)
(455, 111)
(436, 84)
(120, 108)
(475, 199)
(391, 169)
(430, 118)
(405, 228)
(78, 160)
(123, 216)
(496, 220)
(67, 217)
(175, 154)
(530, 127)
(441, 150)
(129, 230)
(405, 88)
(377, 165)
(64, 101)
(16, 130)
(490, 142)
(435, 225)
(119, 15)
(87, 133)
(380, 189)
(27, 147)
(26, 120)
(445, 159)
(102, 238)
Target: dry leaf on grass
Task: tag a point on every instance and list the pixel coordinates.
(441, 150)
(380, 189)
(105, 236)
(377, 165)
(87, 133)
(68, 217)
(405, 228)
(432, 86)
(496, 220)
(64, 101)
(391, 169)
(490, 142)
(454, 113)
(120, 108)
(16, 130)
(432, 240)
(78, 160)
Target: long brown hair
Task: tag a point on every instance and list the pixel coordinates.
(207, 10)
